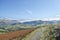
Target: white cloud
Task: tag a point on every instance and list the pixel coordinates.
(28, 11)
(45, 19)
(27, 20)
(54, 19)
(57, 15)
(49, 19)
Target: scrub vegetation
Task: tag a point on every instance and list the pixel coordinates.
(38, 32)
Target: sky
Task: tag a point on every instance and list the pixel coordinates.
(30, 9)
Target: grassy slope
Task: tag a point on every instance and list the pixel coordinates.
(44, 33)
(38, 32)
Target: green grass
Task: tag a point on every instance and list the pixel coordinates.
(2, 31)
(47, 32)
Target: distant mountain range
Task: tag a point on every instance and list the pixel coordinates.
(41, 22)
(33, 22)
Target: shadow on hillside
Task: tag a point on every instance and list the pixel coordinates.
(58, 37)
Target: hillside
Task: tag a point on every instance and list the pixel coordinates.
(5, 22)
(35, 30)
(17, 35)
(47, 32)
